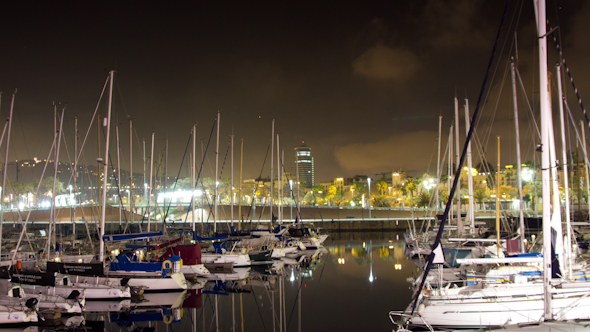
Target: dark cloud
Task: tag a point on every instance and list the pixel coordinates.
(414, 154)
(363, 83)
(384, 63)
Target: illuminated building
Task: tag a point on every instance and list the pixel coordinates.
(305, 165)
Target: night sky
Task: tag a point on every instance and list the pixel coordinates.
(361, 82)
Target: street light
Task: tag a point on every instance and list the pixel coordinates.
(369, 180)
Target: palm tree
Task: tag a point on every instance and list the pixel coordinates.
(382, 185)
(424, 200)
(480, 196)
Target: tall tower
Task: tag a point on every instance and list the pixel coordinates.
(305, 165)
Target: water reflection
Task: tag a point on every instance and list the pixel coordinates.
(349, 285)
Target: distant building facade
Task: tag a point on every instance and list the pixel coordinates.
(305, 165)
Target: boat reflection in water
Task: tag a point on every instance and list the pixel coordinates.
(345, 286)
(251, 299)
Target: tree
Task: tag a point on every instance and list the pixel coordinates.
(382, 185)
(424, 200)
(508, 192)
(318, 189)
(309, 199)
(357, 191)
(443, 195)
(411, 187)
(332, 193)
(46, 187)
(480, 195)
(184, 184)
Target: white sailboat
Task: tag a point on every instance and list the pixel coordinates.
(128, 269)
(521, 301)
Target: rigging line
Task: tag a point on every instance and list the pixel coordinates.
(259, 178)
(530, 108)
(569, 74)
(159, 163)
(36, 193)
(221, 172)
(296, 298)
(291, 190)
(486, 138)
(489, 89)
(491, 121)
(569, 112)
(118, 87)
(178, 177)
(92, 119)
(320, 279)
(431, 156)
(117, 182)
(20, 122)
(437, 241)
(426, 226)
(69, 157)
(258, 307)
(194, 186)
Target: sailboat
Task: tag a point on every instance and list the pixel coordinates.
(520, 301)
(128, 268)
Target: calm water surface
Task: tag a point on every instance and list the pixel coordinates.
(352, 286)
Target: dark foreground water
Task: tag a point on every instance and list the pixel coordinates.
(352, 286)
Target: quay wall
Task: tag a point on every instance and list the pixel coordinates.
(338, 219)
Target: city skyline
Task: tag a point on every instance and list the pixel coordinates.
(362, 83)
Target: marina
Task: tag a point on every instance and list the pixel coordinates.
(344, 209)
(344, 282)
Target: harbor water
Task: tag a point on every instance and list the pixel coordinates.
(350, 286)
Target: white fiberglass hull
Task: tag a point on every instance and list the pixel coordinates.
(237, 259)
(499, 305)
(107, 306)
(95, 288)
(152, 283)
(197, 270)
(18, 295)
(16, 316)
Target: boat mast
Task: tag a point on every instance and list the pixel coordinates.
(457, 159)
(216, 175)
(279, 214)
(498, 201)
(437, 168)
(232, 180)
(585, 154)
(450, 168)
(568, 239)
(298, 201)
(272, 147)
(282, 182)
(545, 162)
(145, 198)
(119, 174)
(151, 183)
(131, 198)
(105, 165)
(193, 175)
(471, 211)
(166, 167)
(240, 186)
(518, 161)
(75, 174)
(5, 164)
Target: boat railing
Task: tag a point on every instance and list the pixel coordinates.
(401, 319)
